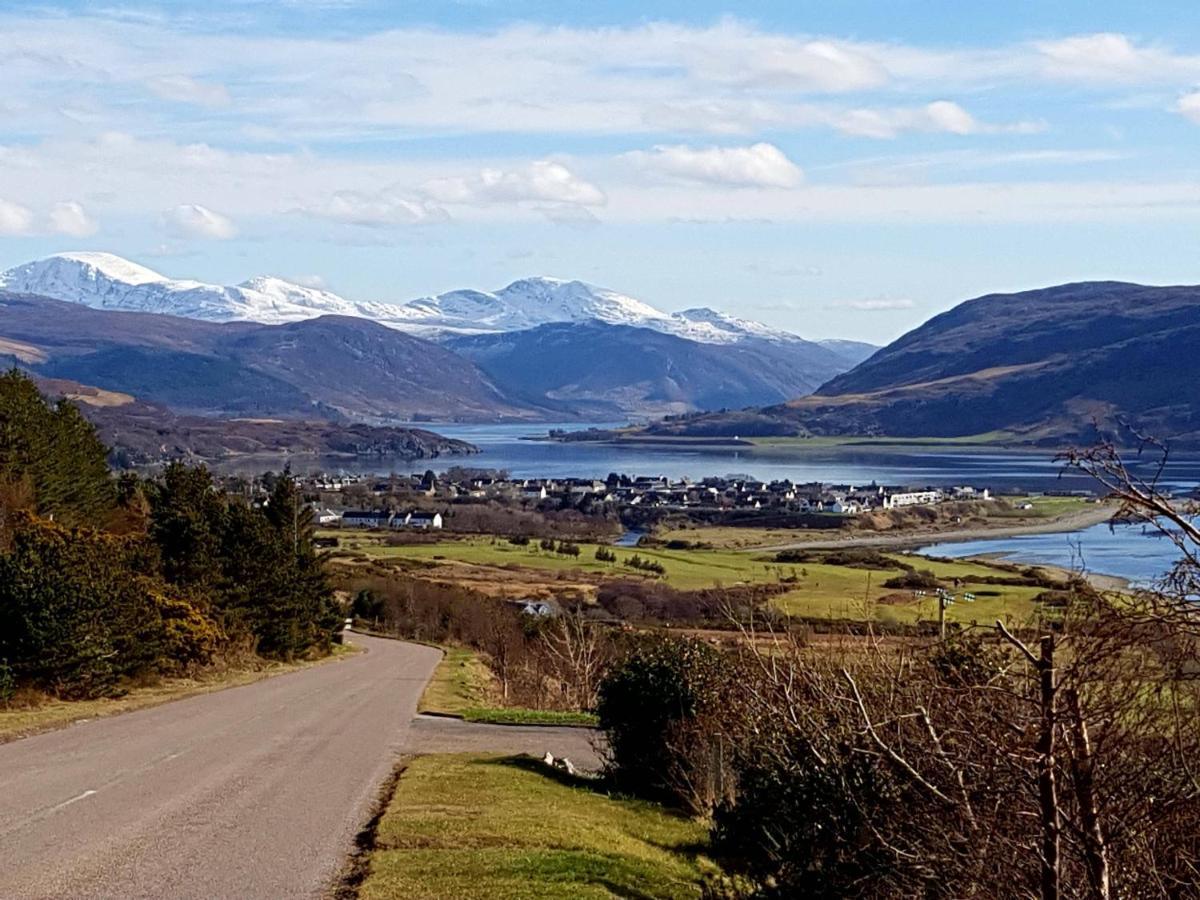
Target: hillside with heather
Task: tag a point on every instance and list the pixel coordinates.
(1057, 365)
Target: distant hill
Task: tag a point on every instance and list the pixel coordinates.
(106, 281)
(696, 359)
(607, 371)
(331, 367)
(1061, 364)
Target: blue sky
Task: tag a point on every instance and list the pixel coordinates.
(840, 169)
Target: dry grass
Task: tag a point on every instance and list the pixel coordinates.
(476, 826)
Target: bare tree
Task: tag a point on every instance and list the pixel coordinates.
(577, 652)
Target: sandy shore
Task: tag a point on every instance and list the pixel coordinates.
(1075, 521)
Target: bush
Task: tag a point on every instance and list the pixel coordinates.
(8, 682)
(922, 580)
(855, 558)
(797, 822)
(666, 709)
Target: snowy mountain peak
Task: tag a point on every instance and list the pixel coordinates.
(105, 281)
(108, 265)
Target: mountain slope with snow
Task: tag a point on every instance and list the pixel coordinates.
(106, 281)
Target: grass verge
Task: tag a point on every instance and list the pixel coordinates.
(505, 716)
(460, 682)
(477, 826)
(462, 687)
(50, 713)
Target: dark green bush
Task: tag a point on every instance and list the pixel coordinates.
(659, 708)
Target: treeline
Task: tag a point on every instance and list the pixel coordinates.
(104, 579)
(538, 662)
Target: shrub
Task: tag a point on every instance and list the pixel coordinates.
(922, 580)
(666, 709)
(8, 682)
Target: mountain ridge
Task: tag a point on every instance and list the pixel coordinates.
(331, 367)
(106, 281)
(1072, 363)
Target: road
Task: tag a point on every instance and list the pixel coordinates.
(439, 734)
(253, 792)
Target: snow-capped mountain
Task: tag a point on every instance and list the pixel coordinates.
(540, 346)
(106, 281)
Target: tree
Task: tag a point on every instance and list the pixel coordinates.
(55, 451)
(80, 609)
(577, 654)
(187, 520)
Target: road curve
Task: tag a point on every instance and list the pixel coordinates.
(252, 792)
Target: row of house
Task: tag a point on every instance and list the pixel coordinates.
(382, 518)
(729, 492)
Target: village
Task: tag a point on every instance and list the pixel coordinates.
(419, 501)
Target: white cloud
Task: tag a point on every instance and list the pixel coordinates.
(185, 89)
(877, 304)
(380, 210)
(784, 62)
(71, 219)
(758, 165)
(942, 116)
(15, 220)
(190, 220)
(1188, 106)
(1108, 57)
(544, 181)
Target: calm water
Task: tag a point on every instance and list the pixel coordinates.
(503, 448)
(1140, 555)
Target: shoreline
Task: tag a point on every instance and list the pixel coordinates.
(1076, 521)
(1073, 522)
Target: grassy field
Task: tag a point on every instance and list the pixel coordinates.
(49, 713)
(818, 590)
(476, 827)
(461, 687)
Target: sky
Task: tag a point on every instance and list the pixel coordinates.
(841, 169)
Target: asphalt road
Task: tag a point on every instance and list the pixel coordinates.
(438, 734)
(253, 792)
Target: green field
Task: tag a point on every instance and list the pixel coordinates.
(476, 827)
(820, 590)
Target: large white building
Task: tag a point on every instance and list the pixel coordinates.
(912, 498)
